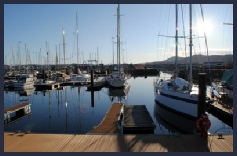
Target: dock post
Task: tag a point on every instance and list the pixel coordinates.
(92, 78)
(92, 98)
(202, 94)
(92, 85)
(145, 72)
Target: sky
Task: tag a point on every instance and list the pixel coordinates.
(29, 27)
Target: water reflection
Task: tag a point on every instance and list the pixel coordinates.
(25, 92)
(173, 122)
(68, 110)
(118, 93)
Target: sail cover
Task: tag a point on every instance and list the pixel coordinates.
(181, 82)
(228, 77)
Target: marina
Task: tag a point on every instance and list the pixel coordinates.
(70, 110)
(175, 97)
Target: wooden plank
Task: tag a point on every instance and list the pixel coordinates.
(21, 142)
(109, 123)
(137, 116)
(16, 107)
(225, 106)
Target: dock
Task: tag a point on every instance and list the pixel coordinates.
(222, 109)
(109, 123)
(145, 71)
(23, 142)
(97, 85)
(125, 119)
(71, 83)
(20, 110)
(137, 120)
(51, 86)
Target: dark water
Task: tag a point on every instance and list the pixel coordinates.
(71, 111)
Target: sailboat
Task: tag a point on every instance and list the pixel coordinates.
(79, 77)
(45, 83)
(25, 80)
(118, 78)
(176, 93)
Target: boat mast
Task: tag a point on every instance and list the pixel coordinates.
(176, 44)
(113, 49)
(118, 37)
(64, 49)
(19, 55)
(190, 44)
(26, 59)
(56, 59)
(77, 41)
(47, 57)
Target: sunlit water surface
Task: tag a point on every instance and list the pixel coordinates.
(71, 111)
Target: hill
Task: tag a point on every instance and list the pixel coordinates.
(200, 59)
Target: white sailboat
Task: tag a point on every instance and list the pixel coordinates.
(118, 78)
(79, 77)
(176, 93)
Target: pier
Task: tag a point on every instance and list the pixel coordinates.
(109, 123)
(222, 109)
(20, 110)
(137, 120)
(22, 142)
(126, 119)
(50, 86)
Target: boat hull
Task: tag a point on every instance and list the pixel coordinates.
(117, 83)
(178, 101)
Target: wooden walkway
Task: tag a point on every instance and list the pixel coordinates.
(224, 105)
(109, 123)
(16, 107)
(222, 109)
(21, 142)
(137, 120)
(21, 110)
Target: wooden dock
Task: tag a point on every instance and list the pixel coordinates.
(51, 86)
(20, 110)
(109, 123)
(137, 120)
(16, 108)
(222, 109)
(21, 142)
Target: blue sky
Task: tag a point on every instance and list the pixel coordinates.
(35, 24)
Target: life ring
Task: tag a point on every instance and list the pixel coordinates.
(203, 124)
